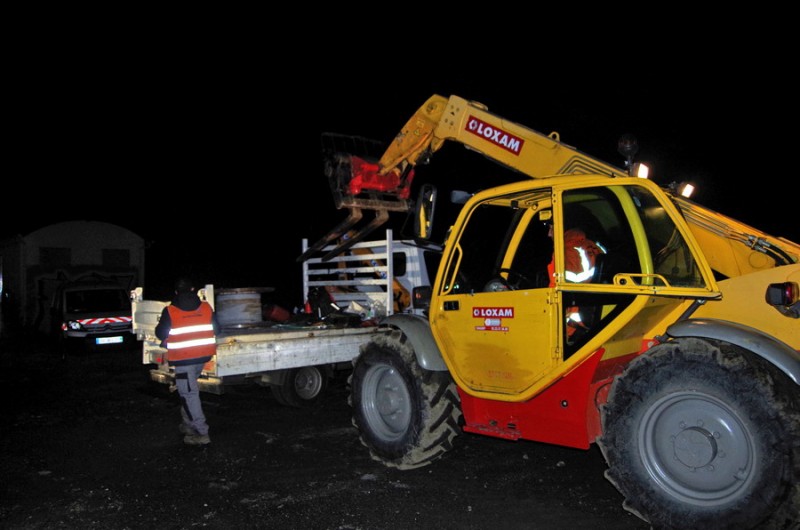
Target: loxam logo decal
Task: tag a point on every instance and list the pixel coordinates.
(507, 141)
(492, 317)
(484, 312)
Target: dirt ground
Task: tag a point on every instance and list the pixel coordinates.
(89, 442)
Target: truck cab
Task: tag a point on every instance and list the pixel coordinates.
(363, 280)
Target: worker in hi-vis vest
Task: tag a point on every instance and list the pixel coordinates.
(187, 328)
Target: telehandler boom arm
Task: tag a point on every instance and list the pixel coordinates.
(534, 155)
(471, 124)
(384, 186)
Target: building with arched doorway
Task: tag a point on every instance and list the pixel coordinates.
(34, 266)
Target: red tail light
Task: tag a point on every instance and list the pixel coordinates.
(785, 294)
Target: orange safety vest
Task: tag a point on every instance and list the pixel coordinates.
(191, 335)
(580, 257)
(579, 261)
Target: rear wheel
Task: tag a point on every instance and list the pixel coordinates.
(703, 435)
(406, 416)
(301, 387)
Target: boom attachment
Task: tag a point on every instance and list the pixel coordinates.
(358, 183)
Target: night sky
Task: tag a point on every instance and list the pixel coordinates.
(219, 168)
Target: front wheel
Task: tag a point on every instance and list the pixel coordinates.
(702, 435)
(406, 416)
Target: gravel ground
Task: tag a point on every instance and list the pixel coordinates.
(89, 442)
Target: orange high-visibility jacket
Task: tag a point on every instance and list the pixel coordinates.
(579, 261)
(191, 337)
(580, 257)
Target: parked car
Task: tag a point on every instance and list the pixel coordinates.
(92, 315)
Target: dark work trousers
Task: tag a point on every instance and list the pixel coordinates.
(191, 408)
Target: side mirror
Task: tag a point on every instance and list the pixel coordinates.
(423, 212)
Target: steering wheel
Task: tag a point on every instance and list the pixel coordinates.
(512, 283)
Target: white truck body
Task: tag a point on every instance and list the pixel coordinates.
(278, 354)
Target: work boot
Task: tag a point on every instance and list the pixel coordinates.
(196, 439)
(185, 429)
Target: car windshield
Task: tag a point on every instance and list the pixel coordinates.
(97, 300)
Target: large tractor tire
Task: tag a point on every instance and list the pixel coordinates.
(406, 416)
(704, 435)
(301, 387)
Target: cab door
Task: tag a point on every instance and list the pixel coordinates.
(498, 320)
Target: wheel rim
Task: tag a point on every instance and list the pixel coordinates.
(308, 383)
(386, 402)
(697, 449)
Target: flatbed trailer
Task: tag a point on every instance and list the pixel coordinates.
(296, 360)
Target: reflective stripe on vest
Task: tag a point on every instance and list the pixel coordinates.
(587, 269)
